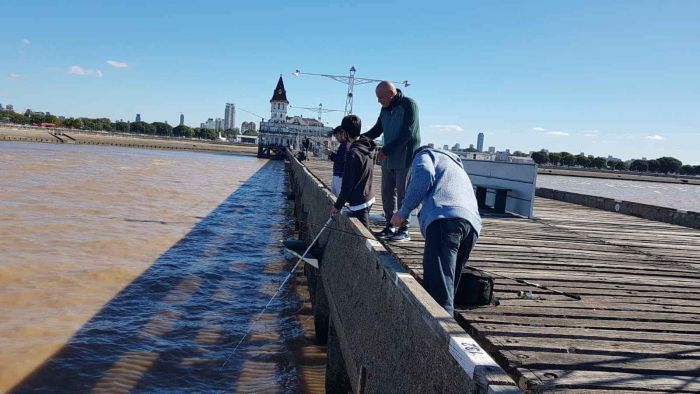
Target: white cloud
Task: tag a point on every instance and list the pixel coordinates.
(539, 129)
(446, 127)
(655, 137)
(25, 41)
(559, 133)
(590, 135)
(15, 75)
(117, 64)
(77, 70)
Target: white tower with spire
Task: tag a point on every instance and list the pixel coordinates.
(279, 103)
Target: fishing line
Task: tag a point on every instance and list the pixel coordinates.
(291, 272)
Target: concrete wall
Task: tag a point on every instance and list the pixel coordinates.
(391, 334)
(651, 212)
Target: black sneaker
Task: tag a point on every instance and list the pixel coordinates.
(399, 236)
(386, 232)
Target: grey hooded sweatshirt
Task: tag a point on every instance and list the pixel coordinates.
(439, 182)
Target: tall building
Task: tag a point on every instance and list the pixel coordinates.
(10, 108)
(182, 119)
(480, 142)
(219, 124)
(445, 147)
(230, 116)
(209, 124)
(245, 126)
(138, 117)
(279, 103)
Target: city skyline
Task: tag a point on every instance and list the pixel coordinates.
(616, 79)
(220, 124)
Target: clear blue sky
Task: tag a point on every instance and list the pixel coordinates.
(602, 77)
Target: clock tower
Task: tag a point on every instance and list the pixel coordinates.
(279, 103)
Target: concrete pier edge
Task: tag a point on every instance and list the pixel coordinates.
(651, 212)
(392, 336)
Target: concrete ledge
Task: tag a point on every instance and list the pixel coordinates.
(651, 212)
(392, 335)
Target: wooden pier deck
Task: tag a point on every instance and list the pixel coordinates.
(636, 327)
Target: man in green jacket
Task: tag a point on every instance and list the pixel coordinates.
(398, 121)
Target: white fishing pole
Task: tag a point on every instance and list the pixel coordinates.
(330, 219)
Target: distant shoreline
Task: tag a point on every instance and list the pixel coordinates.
(99, 138)
(684, 180)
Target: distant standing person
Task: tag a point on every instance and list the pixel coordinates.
(338, 158)
(449, 219)
(356, 187)
(398, 121)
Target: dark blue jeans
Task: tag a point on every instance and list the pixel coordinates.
(448, 243)
(362, 215)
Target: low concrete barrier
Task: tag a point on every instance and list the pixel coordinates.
(385, 334)
(651, 212)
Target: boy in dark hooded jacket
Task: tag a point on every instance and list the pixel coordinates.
(356, 188)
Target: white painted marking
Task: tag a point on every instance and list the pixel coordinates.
(371, 244)
(400, 275)
(469, 354)
(309, 260)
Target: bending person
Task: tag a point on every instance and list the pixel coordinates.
(449, 219)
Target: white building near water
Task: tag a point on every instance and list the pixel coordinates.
(289, 131)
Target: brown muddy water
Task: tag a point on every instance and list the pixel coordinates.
(130, 270)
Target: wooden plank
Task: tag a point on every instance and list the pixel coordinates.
(611, 306)
(637, 364)
(660, 302)
(595, 381)
(573, 313)
(495, 319)
(592, 333)
(599, 347)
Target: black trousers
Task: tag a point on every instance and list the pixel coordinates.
(448, 243)
(362, 215)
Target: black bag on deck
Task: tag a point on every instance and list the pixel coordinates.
(475, 288)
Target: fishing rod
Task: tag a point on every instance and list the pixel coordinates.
(518, 280)
(291, 272)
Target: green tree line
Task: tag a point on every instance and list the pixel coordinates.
(665, 165)
(105, 124)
